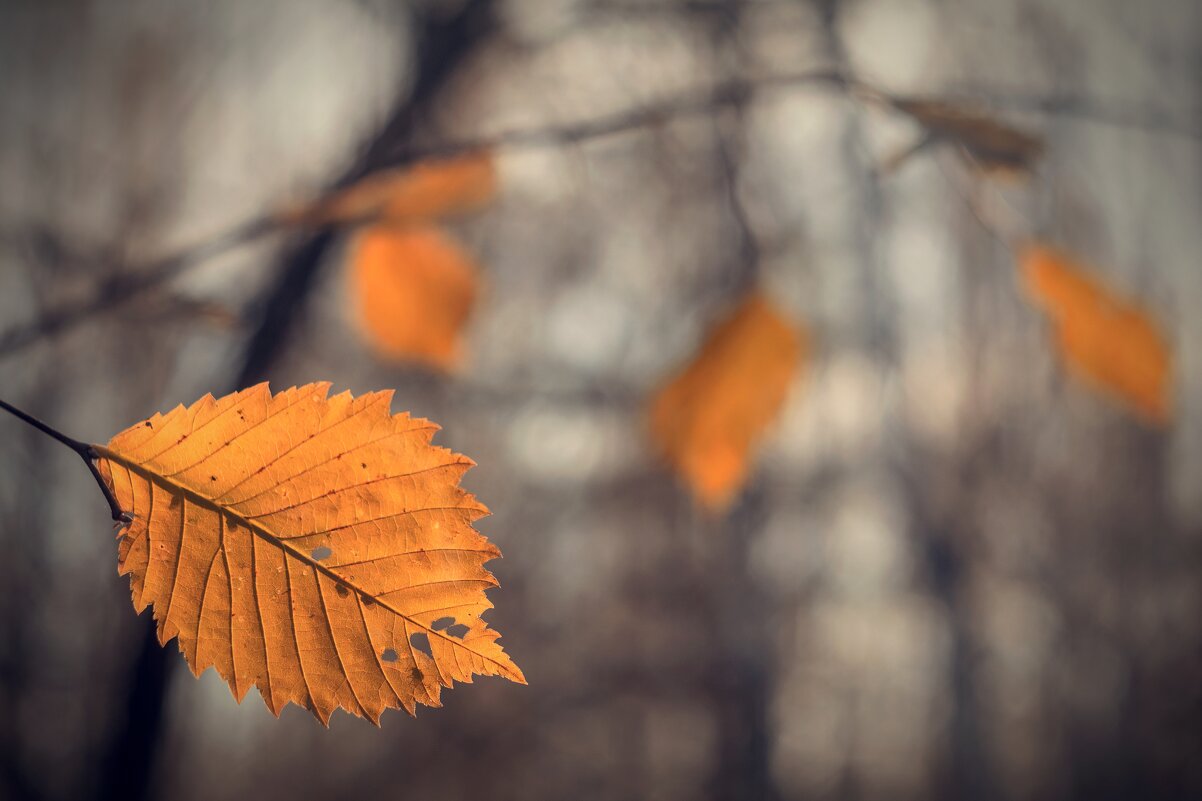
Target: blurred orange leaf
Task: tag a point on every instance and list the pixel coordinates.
(709, 418)
(428, 190)
(1110, 341)
(318, 548)
(414, 288)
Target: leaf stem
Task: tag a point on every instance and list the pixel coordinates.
(82, 449)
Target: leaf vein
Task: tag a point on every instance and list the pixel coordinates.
(320, 464)
(254, 588)
(381, 518)
(179, 557)
(295, 635)
(204, 599)
(349, 487)
(325, 614)
(267, 418)
(371, 644)
(410, 553)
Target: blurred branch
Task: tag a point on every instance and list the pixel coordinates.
(740, 618)
(1088, 109)
(116, 291)
(722, 95)
(730, 149)
(720, 7)
(970, 772)
(112, 293)
(736, 609)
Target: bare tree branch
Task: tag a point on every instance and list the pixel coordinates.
(115, 292)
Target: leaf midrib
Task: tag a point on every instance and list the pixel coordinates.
(257, 528)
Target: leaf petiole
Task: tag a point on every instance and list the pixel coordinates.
(82, 449)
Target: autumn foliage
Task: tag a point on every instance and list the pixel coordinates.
(414, 289)
(1111, 342)
(708, 419)
(413, 286)
(318, 548)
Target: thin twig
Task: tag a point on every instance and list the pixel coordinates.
(1115, 114)
(82, 449)
(729, 142)
(717, 7)
(114, 292)
(720, 96)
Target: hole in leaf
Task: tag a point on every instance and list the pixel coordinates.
(422, 643)
(458, 630)
(321, 552)
(389, 655)
(417, 674)
(363, 465)
(147, 424)
(442, 623)
(212, 478)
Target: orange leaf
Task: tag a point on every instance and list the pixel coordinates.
(708, 419)
(414, 288)
(1110, 341)
(318, 548)
(425, 191)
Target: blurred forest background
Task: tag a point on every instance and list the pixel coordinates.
(956, 572)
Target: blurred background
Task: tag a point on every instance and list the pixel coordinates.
(956, 572)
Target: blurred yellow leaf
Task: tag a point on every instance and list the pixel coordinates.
(428, 190)
(319, 548)
(708, 419)
(414, 289)
(1110, 341)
